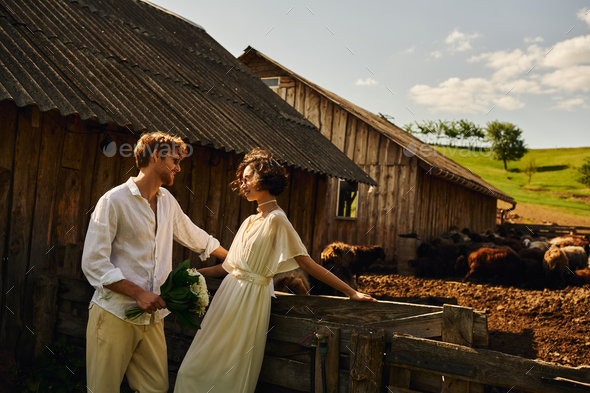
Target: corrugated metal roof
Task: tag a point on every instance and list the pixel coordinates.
(435, 162)
(141, 67)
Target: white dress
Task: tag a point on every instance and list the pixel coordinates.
(227, 352)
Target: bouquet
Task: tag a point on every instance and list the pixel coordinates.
(185, 294)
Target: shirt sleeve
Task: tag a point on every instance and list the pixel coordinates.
(96, 258)
(287, 243)
(190, 235)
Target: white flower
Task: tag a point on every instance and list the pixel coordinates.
(193, 272)
(200, 291)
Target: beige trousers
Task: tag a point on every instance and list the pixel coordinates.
(115, 348)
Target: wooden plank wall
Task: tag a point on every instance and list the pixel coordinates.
(404, 202)
(52, 173)
(447, 204)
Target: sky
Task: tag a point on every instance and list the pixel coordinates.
(525, 62)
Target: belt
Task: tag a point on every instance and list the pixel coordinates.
(251, 277)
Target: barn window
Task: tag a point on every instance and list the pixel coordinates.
(273, 83)
(347, 199)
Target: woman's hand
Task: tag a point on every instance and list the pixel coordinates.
(362, 297)
(309, 266)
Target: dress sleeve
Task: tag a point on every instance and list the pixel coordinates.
(287, 244)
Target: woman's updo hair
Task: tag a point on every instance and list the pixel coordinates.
(268, 174)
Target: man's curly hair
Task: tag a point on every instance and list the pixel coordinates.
(164, 143)
(268, 173)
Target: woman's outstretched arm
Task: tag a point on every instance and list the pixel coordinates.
(309, 266)
(213, 271)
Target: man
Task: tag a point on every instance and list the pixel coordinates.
(127, 256)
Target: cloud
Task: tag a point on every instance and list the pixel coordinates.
(409, 50)
(569, 105)
(436, 54)
(472, 95)
(526, 86)
(460, 42)
(570, 52)
(569, 79)
(584, 14)
(561, 69)
(510, 63)
(366, 82)
(564, 66)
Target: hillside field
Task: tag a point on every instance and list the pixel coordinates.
(553, 194)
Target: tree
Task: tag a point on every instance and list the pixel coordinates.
(410, 129)
(584, 172)
(451, 131)
(530, 169)
(469, 131)
(507, 143)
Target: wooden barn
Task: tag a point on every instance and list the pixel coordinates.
(421, 191)
(78, 76)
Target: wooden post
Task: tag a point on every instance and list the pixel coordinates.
(399, 378)
(366, 360)
(457, 328)
(45, 313)
(332, 360)
(457, 325)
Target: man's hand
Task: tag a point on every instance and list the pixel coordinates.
(150, 302)
(146, 300)
(362, 297)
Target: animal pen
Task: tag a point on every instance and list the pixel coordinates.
(350, 346)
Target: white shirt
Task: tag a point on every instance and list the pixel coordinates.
(122, 243)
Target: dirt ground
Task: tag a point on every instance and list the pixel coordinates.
(551, 325)
(543, 215)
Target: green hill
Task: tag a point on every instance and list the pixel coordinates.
(554, 184)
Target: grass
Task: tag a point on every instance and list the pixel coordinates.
(553, 185)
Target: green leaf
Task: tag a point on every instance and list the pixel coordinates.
(179, 293)
(192, 279)
(174, 307)
(164, 288)
(189, 320)
(180, 278)
(184, 265)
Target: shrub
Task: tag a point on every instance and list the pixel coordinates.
(584, 172)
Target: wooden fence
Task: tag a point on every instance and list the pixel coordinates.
(424, 365)
(387, 346)
(357, 335)
(61, 311)
(549, 230)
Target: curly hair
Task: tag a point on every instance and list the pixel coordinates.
(268, 173)
(165, 143)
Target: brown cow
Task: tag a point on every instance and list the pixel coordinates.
(502, 263)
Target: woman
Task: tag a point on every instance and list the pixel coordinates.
(226, 354)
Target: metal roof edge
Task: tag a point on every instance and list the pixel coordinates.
(160, 8)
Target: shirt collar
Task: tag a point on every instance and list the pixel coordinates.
(135, 190)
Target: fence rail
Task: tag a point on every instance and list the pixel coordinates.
(483, 366)
(356, 336)
(551, 230)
